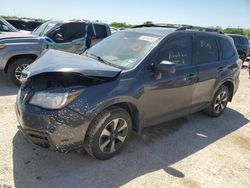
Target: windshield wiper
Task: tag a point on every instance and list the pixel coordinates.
(102, 60)
(99, 58)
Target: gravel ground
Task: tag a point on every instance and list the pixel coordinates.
(194, 151)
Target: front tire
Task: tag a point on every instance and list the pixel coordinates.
(108, 133)
(15, 69)
(219, 102)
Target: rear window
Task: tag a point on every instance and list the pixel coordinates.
(101, 31)
(227, 48)
(240, 40)
(206, 50)
(245, 40)
(23, 25)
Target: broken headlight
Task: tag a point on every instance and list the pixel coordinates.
(54, 99)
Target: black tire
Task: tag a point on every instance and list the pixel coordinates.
(15, 64)
(212, 110)
(103, 122)
(242, 56)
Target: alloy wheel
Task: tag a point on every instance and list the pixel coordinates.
(220, 102)
(113, 135)
(19, 69)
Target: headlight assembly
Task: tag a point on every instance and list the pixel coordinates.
(54, 99)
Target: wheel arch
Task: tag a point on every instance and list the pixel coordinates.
(130, 106)
(230, 85)
(13, 58)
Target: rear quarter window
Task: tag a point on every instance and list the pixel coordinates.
(236, 40)
(206, 49)
(227, 48)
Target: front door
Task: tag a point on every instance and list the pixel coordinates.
(170, 96)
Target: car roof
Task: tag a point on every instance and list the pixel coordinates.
(163, 31)
(159, 31)
(23, 20)
(237, 35)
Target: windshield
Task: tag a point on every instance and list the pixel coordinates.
(44, 28)
(8, 25)
(124, 49)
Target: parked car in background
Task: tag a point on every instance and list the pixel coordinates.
(24, 24)
(6, 26)
(130, 80)
(242, 45)
(71, 36)
(248, 57)
(113, 30)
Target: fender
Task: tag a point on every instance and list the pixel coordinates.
(17, 50)
(119, 101)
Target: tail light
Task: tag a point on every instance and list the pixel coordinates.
(239, 62)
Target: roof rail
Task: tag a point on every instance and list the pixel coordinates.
(160, 25)
(199, 29)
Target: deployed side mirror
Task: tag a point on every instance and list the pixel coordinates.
(166, 67)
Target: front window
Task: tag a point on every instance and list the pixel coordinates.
(124, 49)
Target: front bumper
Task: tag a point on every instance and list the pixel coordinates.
(61, 130)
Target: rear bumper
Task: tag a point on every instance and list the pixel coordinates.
(61, 130)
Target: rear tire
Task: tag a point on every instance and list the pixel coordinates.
(15, 69)
(108, 133)
(242, 56)
(219, 102)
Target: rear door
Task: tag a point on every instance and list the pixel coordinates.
(68, 37)
(207, 59)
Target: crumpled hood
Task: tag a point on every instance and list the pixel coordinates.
(58, 61)
(13, 35)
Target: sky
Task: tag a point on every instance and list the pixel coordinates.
(224, 13)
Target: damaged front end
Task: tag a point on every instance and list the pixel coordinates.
(49, 85)
(42, 111)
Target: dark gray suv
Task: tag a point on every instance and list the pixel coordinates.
(130, 80)
(242, 45)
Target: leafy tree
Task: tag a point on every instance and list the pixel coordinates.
(120, 24)
(147, 23)
(247, 32)
(234, 31)
(14, 17)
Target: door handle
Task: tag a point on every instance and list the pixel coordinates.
(191, 76)
(220, 69)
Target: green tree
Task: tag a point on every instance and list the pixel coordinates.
(120, 24)
(234, 31)
(147, 23)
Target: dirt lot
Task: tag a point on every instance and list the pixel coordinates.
(195, 151)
